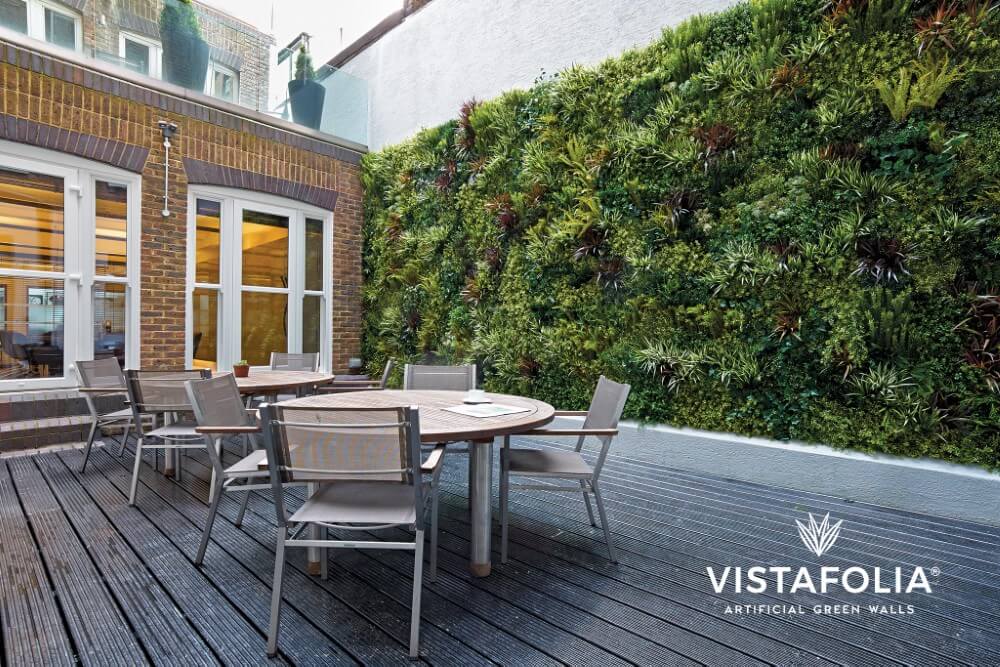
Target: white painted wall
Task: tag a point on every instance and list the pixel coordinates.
(421, 72)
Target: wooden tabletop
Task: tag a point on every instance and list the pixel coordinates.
(437, 424)
(263, 381)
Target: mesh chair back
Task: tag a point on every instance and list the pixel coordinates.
(359, 444)
(607, 404)
(161, 391)
(291, 361)
(389, 365)
(217, 402)
(440, 378)
(101, 374)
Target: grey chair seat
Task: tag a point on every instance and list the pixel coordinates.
(359, 502)
(544, 463)
(183, 429)
(117, 415)
(254, 464)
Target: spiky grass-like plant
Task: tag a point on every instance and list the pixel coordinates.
(502, 208)
(718, 142)
(882, 259)
(936, 27)
(882, 383)
(982, 325)
(672, 365)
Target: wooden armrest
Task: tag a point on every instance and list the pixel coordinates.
(214, 430)
(433, 459)
(571, 413)
(102, 390)
(570, 431)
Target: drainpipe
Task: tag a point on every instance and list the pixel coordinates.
(168, 130)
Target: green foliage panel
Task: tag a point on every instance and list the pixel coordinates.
(780, 220)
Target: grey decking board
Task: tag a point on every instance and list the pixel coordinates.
(259, 553)
(903, 517)
(167, 637)
(538, 632)
(244, 587)
(724, 548)
(801, 624)
(32, 626)
(220, 623)
(101, 632)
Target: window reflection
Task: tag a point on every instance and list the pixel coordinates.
(208, 219)
(31, 221)
(109, 321)
(265, 326)
(265, 249)
(31, 327)
(112, 225)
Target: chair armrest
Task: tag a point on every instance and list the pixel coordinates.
(570, 431)
(571, 413)
(433, 459)
(341, 388)
(217, 430)
(102, 390)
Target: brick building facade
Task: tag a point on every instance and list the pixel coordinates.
(64, 106)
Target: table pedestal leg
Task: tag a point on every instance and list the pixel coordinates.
(314, 553)
(480, 506)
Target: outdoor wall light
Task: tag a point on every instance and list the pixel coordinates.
(168, 130)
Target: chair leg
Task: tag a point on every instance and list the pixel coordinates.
(324, 556)
(212, 511)
(213, 488)
(121, 447)
(504, 492)
(604, 522)
(135, 471)
(586, 499)
(90, 443)
(434, 536)
(243, 508)
(418, 567)
(279, 567)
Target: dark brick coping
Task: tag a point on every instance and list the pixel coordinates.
(200, 172)
(91, 79)
(109, 151)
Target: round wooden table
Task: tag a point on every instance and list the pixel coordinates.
(266, 381)
(440, 425)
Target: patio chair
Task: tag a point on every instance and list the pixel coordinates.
(219, 412)
(161, 394)
(294, 361)
(441, 378)
(367, 464)
(601, 422)
(103, 377)
(346, 383)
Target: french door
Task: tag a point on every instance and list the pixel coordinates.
(66, 273)
(259, 279)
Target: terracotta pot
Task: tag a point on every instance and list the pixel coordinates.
(241, 371)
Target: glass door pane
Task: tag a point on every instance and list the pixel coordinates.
(109, 309)
(204, 330)
(32, 241)
(265, 326)
(264, 301)
(265, 249)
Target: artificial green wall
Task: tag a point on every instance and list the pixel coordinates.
(780, 220)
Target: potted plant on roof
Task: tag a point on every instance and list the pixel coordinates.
(305, 94)
(241, 369)
(185, 53)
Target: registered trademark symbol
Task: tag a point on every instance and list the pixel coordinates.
(935, 571)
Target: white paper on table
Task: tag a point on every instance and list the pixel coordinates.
(486, 410)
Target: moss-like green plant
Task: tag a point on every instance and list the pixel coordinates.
(735, 220)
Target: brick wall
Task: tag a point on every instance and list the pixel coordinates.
(58, 105)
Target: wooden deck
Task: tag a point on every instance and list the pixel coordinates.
(85, 578)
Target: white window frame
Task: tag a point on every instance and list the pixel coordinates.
(155, 51)
(214, 67)
(230, 288)
(80, 226)
(36, 21)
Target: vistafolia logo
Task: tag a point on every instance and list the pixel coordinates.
(819, 537)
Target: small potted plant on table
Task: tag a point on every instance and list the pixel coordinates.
(241, 369)
(305, 94)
